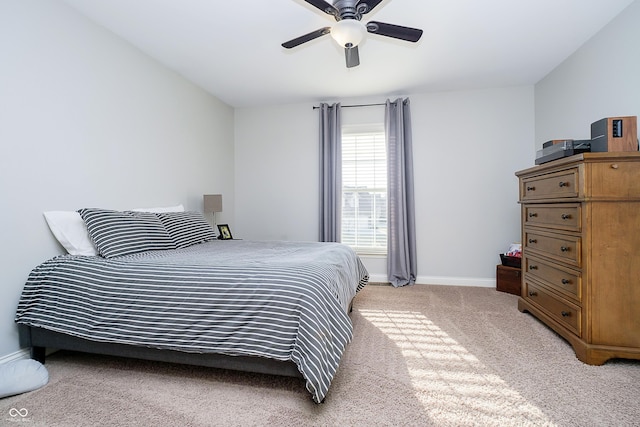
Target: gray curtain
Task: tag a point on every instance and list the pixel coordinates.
(401, 243)
(330, 172)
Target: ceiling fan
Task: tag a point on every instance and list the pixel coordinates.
(349, 30)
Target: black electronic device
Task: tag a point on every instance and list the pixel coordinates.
(562, 149)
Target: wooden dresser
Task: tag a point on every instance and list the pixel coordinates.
(581, 252)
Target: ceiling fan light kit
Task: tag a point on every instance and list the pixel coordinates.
(349, 30)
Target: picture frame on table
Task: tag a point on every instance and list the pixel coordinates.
(225, 232)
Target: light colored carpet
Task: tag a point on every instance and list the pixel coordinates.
(422, 355)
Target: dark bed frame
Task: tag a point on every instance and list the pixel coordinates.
(40, 339)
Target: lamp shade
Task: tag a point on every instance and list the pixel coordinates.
(212, 203)
(348, 32)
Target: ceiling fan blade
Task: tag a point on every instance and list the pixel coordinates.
(327, 8)
(395, 31)
(352, 56)
(370, 5)
(306, 38)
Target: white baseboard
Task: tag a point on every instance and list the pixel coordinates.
(457, 281)
(378, 278)
(17, 355)
(445, 281)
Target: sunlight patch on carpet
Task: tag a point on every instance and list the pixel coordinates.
(453, 386)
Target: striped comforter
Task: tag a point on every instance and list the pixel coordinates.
(281, 300)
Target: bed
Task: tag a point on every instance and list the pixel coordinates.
(269, 307)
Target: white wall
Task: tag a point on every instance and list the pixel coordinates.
(276, 160)
(88, 120)
(601, 79)
(467, 146)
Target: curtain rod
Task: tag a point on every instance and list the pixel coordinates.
(315, 107)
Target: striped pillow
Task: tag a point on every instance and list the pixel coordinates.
(118, 233)
(187, 228)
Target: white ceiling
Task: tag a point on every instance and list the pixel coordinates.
(232, 48)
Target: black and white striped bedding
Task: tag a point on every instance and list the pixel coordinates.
(281, 300)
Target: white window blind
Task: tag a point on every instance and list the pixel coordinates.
(364, 191)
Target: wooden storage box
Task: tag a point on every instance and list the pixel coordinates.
(508, 279)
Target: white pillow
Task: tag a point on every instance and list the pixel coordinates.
(21, 376)
(178, 208)
(71, 232)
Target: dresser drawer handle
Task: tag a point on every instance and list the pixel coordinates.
(563, 184)
(533, 267)
(531, 188)
(566, 216)
(566, 281)
(532, 214)
(565, 248)
(533, 241)
(565, 313)
(533, 294)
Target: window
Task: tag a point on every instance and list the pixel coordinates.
(364, 190)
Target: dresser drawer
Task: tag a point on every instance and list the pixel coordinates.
(556, 185)
(615, 179)
(559, 216)
(562, 279)
(563, 248)
(565, 313)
